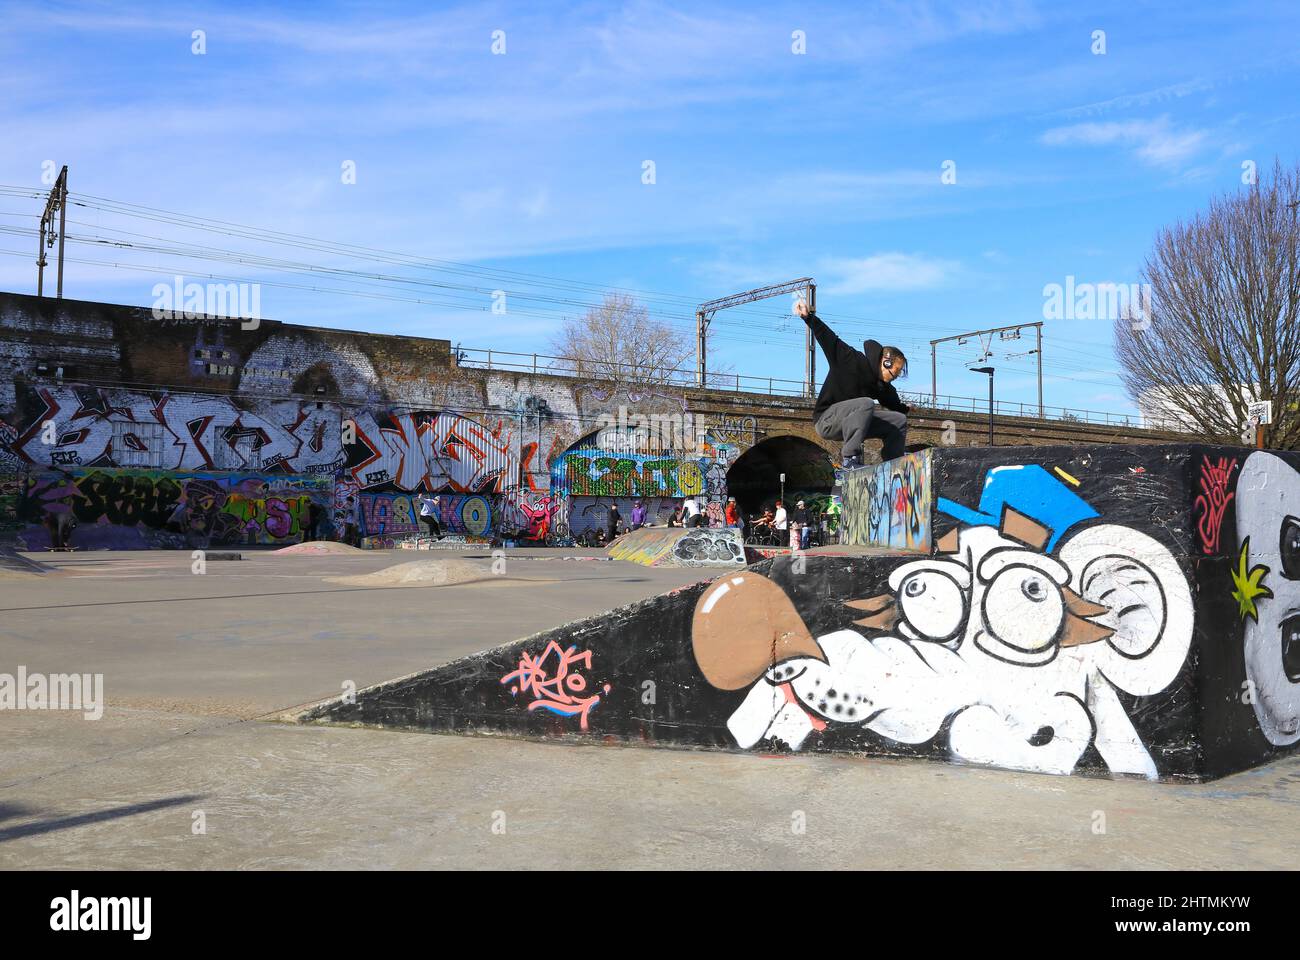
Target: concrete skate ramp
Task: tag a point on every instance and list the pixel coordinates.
(1123, 611)
(680, 547)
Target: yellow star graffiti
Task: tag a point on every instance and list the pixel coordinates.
(1248, 584)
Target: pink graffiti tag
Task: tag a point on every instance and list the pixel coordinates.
(1214, 499)
(558, 693)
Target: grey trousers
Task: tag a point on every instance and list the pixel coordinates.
(852, 421)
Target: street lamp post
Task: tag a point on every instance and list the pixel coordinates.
(989, 371)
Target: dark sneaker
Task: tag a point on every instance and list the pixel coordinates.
(851, 463)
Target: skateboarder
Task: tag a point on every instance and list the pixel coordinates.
(858, 399)
(429, 515)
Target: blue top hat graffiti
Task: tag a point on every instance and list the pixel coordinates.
(1028, 489)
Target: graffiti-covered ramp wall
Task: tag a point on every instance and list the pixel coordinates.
(1097, 610)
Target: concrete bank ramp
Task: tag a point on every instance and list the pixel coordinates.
(1112, 611)
(680, 547)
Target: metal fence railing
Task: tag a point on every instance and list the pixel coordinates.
(538, 363)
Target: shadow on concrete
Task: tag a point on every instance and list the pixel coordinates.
(83, 819)
(12, 811)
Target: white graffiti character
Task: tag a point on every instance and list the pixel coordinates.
(1022, 649)
(1268, 536)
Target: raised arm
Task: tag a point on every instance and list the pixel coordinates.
(832, 346)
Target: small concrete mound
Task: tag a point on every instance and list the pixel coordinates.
(423, 573)
(319, 548)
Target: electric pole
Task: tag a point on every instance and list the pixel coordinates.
(707, 309)
(1038, 352)
(57, 203)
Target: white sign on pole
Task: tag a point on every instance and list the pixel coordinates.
(1261, 411)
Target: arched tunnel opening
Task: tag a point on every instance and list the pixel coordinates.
(755, 477)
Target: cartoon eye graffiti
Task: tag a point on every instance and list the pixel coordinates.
(1268, 526)
(932, 604)
(1023, 608)
(1290, 548)
(1291, 647)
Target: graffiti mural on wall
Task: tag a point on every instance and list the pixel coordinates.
(1267, 590)
(701, 547)
(889, 505)
(599, 473)
(187, 432)
(433, 451)
(1016, 637)
(735, 432)
(555, 682)
(10, 463)
(139, 508)
(398, 515)
(11, 491)
(452, 453)
(1215, 479)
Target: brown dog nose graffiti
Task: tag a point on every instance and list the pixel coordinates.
(744, 626)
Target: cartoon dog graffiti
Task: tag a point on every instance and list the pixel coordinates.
(1268, 535)
(1018, 633)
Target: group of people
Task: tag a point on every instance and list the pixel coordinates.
(689, 513)
(778, 522)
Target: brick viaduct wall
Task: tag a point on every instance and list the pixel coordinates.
(117, 416)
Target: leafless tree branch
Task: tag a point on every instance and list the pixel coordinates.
(1223, 324)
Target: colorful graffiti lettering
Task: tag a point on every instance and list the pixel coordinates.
(597, 473)
(125, 508)
(434, 451)
(397, 515)
(193, 432)
(1214, 499)
(560, 692)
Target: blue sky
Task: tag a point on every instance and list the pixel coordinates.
(769, 164)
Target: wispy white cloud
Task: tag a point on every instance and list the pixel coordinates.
(885, 272)
(1156, 142)
(1145, 98)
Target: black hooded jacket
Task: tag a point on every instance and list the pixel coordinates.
(852, 373)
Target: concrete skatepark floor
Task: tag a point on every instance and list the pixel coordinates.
(191, 662)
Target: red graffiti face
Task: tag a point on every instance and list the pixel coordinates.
(1213, 500)
(559, 692)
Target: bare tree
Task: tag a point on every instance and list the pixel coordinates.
(618, 340)
(1223, 323)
